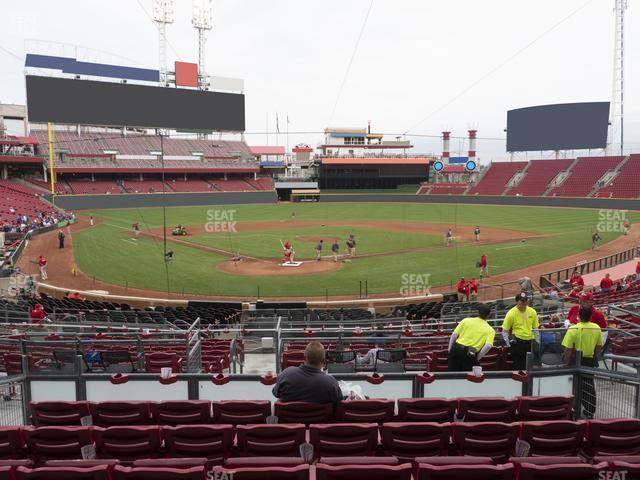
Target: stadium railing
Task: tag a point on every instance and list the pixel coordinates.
(616, 392)
(13, 401)
(598, 264)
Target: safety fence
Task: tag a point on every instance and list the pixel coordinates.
(12, 406)
(598, 393)
(591, 266)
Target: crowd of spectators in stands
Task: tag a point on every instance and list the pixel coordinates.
(24, 223)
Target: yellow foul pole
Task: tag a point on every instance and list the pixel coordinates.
(51, 174)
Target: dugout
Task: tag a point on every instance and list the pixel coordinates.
(369, 173)
(285, 189)
(306, 195)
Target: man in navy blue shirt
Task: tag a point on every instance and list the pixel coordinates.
(308, 383)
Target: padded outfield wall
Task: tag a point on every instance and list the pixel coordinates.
(145, 200)
(96, 202)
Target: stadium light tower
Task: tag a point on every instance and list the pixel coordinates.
(162, 15)
(202, 21)
(616, 125)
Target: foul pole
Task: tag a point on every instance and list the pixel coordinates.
(51, 174)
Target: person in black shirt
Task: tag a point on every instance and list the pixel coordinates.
(60, 238)
(308, 383)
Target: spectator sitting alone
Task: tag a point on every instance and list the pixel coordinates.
(307, 382)
(606, 283)
(37, 314)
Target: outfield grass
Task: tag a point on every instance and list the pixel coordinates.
(106, 251)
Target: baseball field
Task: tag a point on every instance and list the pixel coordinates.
(399, 247)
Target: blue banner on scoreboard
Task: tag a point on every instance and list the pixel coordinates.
(458, 160)
(73, 66)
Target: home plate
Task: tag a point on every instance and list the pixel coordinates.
(291, 264)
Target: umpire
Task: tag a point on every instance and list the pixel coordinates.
(470, 341)
(517, 330)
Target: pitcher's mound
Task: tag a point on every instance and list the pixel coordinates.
(273, 268)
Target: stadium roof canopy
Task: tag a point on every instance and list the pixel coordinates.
(268, 150)
(375, 161)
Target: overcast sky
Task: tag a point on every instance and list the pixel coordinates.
(411, 72)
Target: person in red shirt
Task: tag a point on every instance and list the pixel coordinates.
(473, 288)
(586, 300)
(37, 314)
(75, 296)
(575, 293)
(463, 290)
(576, 280)
(484, 269)
(42, 264)
(638, 269)
(606, 283)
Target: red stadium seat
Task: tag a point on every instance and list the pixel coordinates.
(584, 174)
(13, 363)
(486, 439)
(154, 362)
(613, 437)
(277, 440)
(545, 408)
(363, 472)
(373, 410)
(181, 412)
(610, 459)
(340, 439)
(420, 439)
(6, 473)
(112, 462)
(303, 412)
(158, 473)
(359, 460)
(23, 462)
(58, 413)
(241, 412)
(55, 443)
(426, 409)
(127, 443)
(496, 178)
(99, 472)
(538, 176)
(171, 462)
(107, 414)
(242, 462)
(464, 471)
(546, 460)
(486, 409)
(299, 472)
(211, 441)
(445, 460)
(559, 438)
(10, 442)
(529, 471)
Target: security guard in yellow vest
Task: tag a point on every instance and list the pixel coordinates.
(470, 341)
(585, 337)
(517, 330)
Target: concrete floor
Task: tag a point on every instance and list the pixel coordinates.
(259, 363)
